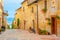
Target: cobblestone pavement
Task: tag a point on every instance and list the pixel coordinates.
(17, 34)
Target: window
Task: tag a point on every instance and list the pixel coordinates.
(18, 22)
(33, 24)
(32, 10)
(45, 4)
(23, 9)
(24, 24)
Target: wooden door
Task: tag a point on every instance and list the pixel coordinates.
(53, 25)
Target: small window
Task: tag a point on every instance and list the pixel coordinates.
(45, 4)
(23, 9)
(32, 10)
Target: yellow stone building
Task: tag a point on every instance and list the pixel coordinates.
(52, 17)
(21, 17)
(16, 18)
(39, 14)
(1, 12)
(27, 15)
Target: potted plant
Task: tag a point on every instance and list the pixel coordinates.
(48, 21)
(3, 28)
(18, 22)
(44, 10)
(43, 32)
(57, 17)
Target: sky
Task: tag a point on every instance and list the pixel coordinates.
(11, 6)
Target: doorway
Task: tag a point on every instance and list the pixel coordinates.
(53, 25)
(33, 24)
(24, 24)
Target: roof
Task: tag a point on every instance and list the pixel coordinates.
(19, 8)
(24, 1)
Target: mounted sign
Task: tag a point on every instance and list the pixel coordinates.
(53, 6)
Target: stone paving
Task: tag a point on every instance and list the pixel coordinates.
(17, 34)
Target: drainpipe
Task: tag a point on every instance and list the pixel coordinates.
(37, 30)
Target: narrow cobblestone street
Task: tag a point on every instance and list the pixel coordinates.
(17, 34)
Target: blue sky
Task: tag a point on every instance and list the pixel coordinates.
(11, 6)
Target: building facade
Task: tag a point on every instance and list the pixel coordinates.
(1, 12)
(40, 14)
(15, 19)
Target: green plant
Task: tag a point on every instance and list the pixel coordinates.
(18, 22)
(42, 32)
(12, 24)
(44, 10)
(48, 21)
(2, 30)
(57, 17)
(8, 26)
